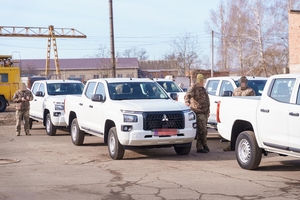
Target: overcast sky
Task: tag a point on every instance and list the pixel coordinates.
(148, 24)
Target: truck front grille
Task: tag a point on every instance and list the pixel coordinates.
(158, 120)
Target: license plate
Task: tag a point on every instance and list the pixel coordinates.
(165, 131)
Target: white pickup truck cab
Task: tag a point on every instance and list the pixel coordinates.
(262, 124)
(47, 105)
(130, 113)
(171, 86)
(216, 86)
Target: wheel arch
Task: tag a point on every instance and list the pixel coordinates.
(108, 124)
(72, 115)
(46, 111)
(238, 127)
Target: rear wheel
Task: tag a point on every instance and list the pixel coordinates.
(2, 104)
(183, 150)
(115, 149)
(77, 135)
(247, 152)
(50, 128)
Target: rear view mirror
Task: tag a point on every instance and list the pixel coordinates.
(97, 98)
(174, 96)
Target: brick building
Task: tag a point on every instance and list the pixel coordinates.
(294, 41)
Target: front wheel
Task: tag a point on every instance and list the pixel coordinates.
(183, 150)
(77, 135)
(247, 152)
(2, 104)
(115, 149)
(50, 128)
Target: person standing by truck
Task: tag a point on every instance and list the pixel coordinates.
(197, 99)
(242, 90)
(22, 98)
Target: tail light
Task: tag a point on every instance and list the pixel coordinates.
(218, 112)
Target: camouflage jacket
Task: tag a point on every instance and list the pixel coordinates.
(248, 91)
(198, 99)
(17, 98)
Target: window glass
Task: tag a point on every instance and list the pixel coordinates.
(281, 89)
(212, 87)
(298, 96)
(100, 90)
(35, 88)
(90, 89)
(4, 78)
(225, 86)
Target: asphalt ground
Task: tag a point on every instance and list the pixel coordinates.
(50, 167)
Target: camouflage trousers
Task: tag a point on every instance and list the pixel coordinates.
(201, 132)
(20, 115)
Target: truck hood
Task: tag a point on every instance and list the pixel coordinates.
(150, 105)
(56, 98)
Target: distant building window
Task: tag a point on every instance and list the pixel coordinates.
(96, 76)
(120, 75)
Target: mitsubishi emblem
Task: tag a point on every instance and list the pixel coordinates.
(164, 118)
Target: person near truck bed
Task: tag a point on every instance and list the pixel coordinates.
(22, 98)
(242, 90)
(198, 100)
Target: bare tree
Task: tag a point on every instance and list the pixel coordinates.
(104, 66)
(140, 54)
(183, 52)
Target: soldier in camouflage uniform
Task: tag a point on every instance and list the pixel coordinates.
(22, 98)
(242, 90)
(198, 100)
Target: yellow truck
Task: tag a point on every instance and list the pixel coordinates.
(10, 81)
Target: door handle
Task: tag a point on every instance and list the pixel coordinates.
(81, 104)
(264, 110)
(91, 106)
(294, 114)
(216, 101)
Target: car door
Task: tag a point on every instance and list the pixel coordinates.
(293, 121)
(85, 112)
(96, 111)
(211, 87)
(273, 113)
(36, 105)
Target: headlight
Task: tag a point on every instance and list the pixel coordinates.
(191, 116)
(130, 118)
(58, 106)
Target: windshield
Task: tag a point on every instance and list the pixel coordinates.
(136, 90)
(256, 85)
(64, 88)
(169, 86)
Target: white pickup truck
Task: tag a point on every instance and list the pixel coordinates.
(259, 125)
(130, 113)
(171, 86)
(47, 105)
(217, 86)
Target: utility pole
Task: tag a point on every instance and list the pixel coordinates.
(212, 54)
(112, 43)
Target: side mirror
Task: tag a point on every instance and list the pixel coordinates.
(227, 93)
(98, 98)
(174, 96)
(39, 94)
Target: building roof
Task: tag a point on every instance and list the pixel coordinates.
(80, 63)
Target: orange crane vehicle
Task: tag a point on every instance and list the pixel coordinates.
(10, 76)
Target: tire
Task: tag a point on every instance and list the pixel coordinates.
(2, 104)
(30, 123)
(247, 152)
(77, 135)
(183, 150)
(115, 149)
(50, 128)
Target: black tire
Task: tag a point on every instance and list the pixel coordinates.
(77, 135)
(247, 152)
(2, 104)
(50, 128)
(183, 150)
(115, 149)
(30, 123)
